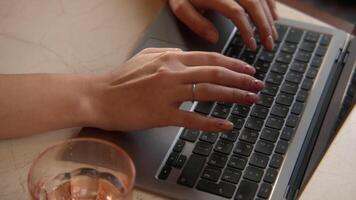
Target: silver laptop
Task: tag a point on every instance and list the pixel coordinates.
(276, 143)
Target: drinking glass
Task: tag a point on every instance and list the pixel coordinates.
(82, 169)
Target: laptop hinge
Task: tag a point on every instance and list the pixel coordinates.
(339, 54)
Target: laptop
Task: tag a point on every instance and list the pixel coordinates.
(276, 143)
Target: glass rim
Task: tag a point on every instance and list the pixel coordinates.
(71, 140)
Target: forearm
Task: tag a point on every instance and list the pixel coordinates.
(37, 103)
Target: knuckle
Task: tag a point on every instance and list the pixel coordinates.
(236, 9)
(167, 56)
(252, 2)
(216, 73)
(178, 6)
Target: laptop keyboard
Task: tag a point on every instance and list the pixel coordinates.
(244, 163)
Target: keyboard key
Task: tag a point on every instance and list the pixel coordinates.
(281, 147)
(237, 121)
(292, 120)
(211, 173)
(269, 134)
(312, 72)
(221, 111)
(287, 133)
(270, 176)
(307, 84)
(209, 137)
(270, 89)
(297, 108)
(262, 66)
(320, 51)
(299, 66)
(281, 30)
(285, 99)
(237, 162)
(224, 146)
(189, 135)
(316, 62)
(166, 170)
(303, 56)
(253, 174)
(259, 160)
(311, 36)
(289, 87)
(294, 35)
(237, 41)
(275, 47)
(266, 56)
(240, 110)
(325, 40)
(229, 105)
(302, 95)
(307, 46)
(260, 75)
(230, 136)
(233, 51)
(254, 123)
(259, 112)
(204, 107)
(264, 147)
(284, 58)
(180, 161)
(280, 68)
(265, 190)
(217, 160)
(178, 147)
(280, 110)
(246, 190)
(249, 135)
(248, 56)
(274, 122)
(276, 161)
(243, 148)
(203, 148)
(191, 170)
(265, 100)
(294, 77)
(221, 189)
(231, 175)
(289, 48)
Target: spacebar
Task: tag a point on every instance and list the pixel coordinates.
(221, 189)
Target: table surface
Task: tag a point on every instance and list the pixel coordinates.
(92, 36)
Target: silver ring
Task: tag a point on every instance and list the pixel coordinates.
(193, 91)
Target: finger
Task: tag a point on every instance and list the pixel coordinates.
(272, 5)
(236, 14)
(212, 92)
(255, 9)
(185, 12)
(220, 76)
(196, 121)
(198, 58)
(270, 18)
(158, 50)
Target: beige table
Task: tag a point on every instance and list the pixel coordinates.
(91, 36)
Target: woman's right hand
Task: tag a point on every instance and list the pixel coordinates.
(147, 90)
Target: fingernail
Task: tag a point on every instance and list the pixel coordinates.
(275, 33)
(249, 69)
(251, 97)
(212, 36)
(269, 42)
(259, 85)
(226, 125)
(252, 44)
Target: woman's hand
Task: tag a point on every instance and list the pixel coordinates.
(262, 12)
(146, 91)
